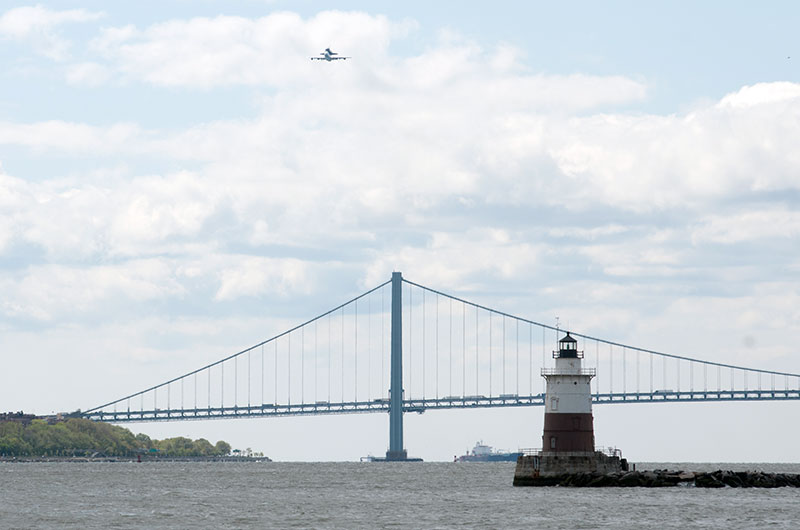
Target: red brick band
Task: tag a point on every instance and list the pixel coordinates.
(568, 432)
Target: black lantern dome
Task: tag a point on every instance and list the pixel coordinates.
(568, 347)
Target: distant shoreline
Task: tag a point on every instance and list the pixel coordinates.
(134, 459)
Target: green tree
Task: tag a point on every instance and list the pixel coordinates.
(78, 436)
(222, 448)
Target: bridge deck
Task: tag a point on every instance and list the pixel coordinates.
(421, 405)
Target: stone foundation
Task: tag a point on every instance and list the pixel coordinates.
(531, 469)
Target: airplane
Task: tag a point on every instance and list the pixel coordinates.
(328, 55)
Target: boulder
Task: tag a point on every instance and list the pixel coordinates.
(707, 480)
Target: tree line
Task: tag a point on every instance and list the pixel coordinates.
(82, 437)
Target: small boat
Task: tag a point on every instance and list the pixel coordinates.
(486, 453)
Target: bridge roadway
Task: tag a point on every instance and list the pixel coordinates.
(422, 405)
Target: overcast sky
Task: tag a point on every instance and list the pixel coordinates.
(178, 182)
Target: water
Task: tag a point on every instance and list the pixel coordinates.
(369, 495)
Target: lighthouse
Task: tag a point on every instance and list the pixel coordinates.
(568, 424)
(568, 434)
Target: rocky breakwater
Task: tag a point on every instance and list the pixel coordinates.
(663, 478)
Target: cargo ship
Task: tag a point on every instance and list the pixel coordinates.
(485, 453)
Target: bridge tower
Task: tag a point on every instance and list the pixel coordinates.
(396, 450)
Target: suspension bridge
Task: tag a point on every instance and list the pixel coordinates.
(403, 347)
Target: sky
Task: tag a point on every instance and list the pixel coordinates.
(179, 182)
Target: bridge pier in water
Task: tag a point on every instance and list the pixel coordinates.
(396, 452)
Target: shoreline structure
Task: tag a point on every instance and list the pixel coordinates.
(125, 459)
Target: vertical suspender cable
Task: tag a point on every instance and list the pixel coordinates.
(543, 360)
(490, 353)
(330, 356)
(355, 352)
(624, 370)
(423, 344)
(369, 347)
(235, 382)
(410, 338)
(463, 347)
(289, 370)
(248, 378)
(477, 364)
(450, 356)
(262, 374)
(342, 355)
(530, 359)
(503, 382)
(383, 341)
(597, 368)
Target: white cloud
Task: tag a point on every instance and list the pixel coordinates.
(72, 138)
(51, 292)
(229, 50)
(274, 50)
(646, 163)
(38, 25)
(752, 226)
(446, 170)
(461, 260)
(256, 277)
(761, 94)
(87, 74)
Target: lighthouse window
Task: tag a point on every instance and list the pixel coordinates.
(554, 403)
(552, 442)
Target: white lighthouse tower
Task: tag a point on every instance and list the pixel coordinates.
(568, 424)
(568, 437)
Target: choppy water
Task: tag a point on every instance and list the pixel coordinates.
(368, 495)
